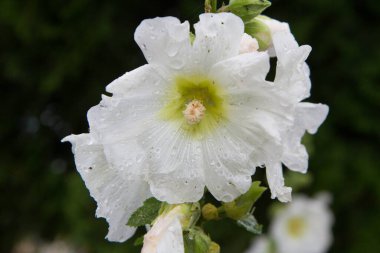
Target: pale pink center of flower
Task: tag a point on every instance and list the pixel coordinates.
(194, 112)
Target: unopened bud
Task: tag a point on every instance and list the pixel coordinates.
(214, 248)
(210, 212)
(248, 9)
(261, 32)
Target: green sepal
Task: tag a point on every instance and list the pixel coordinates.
(196, 241)
(192, 38)
(260, 31)
(247, 9)
(250, 223)
(241, 206)
(145, 214)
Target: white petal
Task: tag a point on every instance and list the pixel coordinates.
(118, 123)
(184, 180)
(292, 73)
(217, 37)
(276, 182)
(165, 42)
(248, 44)
(117, 198)
(165, 236)
(311, 116)
(227, 166)
(172, 241)
(140, 82)
(296, 158)
(242, 72)
(308, 118)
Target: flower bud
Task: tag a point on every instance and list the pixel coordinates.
(210, 212)
(261, 32)
(248, 9)
(214, 248)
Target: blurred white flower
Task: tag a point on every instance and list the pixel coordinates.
(261, 244)
(198, 114)
(303, 226)
(166, 234)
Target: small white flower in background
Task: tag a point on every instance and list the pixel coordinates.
(261, 244)
(199, 114)
(166, 234)
(303, 226)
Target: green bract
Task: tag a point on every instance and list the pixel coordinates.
(145, 214)
(248, 9)
(242, 206)
(196, 241)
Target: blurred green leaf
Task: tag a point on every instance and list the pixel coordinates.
(145, 214)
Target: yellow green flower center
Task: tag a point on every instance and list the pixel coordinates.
(198, 103)
(296, 226)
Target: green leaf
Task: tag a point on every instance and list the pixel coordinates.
(250, 223)
(145, 214)
(247, 9)
(260, 31)
(241, 206)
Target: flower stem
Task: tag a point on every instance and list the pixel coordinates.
(211, 6)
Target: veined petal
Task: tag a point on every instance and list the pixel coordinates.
(118, 123)
(217, 37)
(144, 81)
(244, 71)
(311, 116)
(292, 73)
(276, 182)
(296, 158)
(308, 118)
(117, 197)
(227, 164)
(165, 42)
(166, 234)
(184, 180)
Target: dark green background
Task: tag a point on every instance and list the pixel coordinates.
(56, 57)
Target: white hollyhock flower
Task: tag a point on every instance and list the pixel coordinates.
(198, 114)
(303, 226)
(166, 234)
(261, 244)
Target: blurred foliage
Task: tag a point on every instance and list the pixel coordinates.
(57, 56)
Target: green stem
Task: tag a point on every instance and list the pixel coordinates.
(211, 6)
